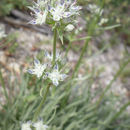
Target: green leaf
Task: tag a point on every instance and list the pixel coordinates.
(111, 27)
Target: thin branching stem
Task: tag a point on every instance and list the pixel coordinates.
(114, 117)
(68, 48)
(36, 114)
(54, 45)
(80, 58)
(88, 38)
(110, 84)
(73, 40)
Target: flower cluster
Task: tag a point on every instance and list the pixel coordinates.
(38, 69)
(55, 76)
(64, 9)
(94, 9)
(39, 12)
(56, 10)
(45, 70)
(38, 126)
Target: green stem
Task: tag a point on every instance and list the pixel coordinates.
(36, 114)
(80, 58)
(67, 50)
(81, 39)
(114, 117)
(3, 86)
(54, 45)
(119, 112)
(110, 84)
(73, 40)
(91, 30)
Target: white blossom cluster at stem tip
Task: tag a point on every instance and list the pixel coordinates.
(45, 71)
(55, 10)
(38, 126)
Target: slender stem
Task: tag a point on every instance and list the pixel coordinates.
(110, 84)
(68, 48)
(80, 58)
(81, 39)
(114, 117)
(3, 86)
(91, 30)
(119, 112)
(36, 114)
(54, 45)
(73, 40)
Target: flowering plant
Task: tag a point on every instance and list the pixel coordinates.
(61, 15)
(55, 11)
(56, 89)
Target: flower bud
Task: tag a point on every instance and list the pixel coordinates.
(69, 27)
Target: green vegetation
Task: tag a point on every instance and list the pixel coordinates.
(72, 105)
(79, 112)
(7, 5)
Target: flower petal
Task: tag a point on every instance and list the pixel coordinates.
(30, 71)
(55, 82)
(36, 62)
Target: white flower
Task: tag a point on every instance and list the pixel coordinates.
(26, 126)
(41, 4)
(40, 12)
(95, 9)
(50, 56)
(58, 12)
(55, 10)
(55, 76)
(63, 9)
(40, 126)
(69, 27)
(103, 20)
(40, 16)
(38, 69)
(74, 9)
(2, 33)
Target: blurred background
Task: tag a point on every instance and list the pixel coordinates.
(108, 49)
